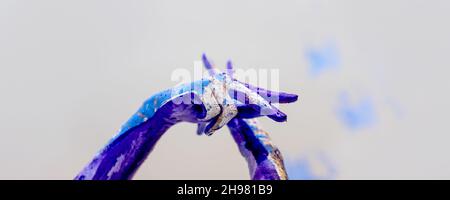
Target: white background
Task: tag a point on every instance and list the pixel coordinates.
(71, 72)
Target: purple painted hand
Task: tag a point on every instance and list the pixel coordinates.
(209, 102)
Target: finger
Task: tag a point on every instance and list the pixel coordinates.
(272, 96)
(230, 70)
(228, 112)
(279, 116)
(208, 65)
(210, 103)
(248, 111)
(201, 128)
(264, 108)
(245, 95)
(208, 130)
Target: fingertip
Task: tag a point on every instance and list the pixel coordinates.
(278, 117)
(206, 62)
(230, 71)
(208, 129)
(287, 98)
(201, 128)
(229, 64)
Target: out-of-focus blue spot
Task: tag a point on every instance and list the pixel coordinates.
(300, 170)
(303, 169)
(356, 115)
(322, 59)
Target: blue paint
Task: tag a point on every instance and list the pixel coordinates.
(356, 115)
(302, 169)
(322, 59)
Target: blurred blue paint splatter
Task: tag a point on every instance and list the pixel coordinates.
(322, 59)
(357, 115)
(302, 169)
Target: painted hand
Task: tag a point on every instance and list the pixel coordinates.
(211, 102)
